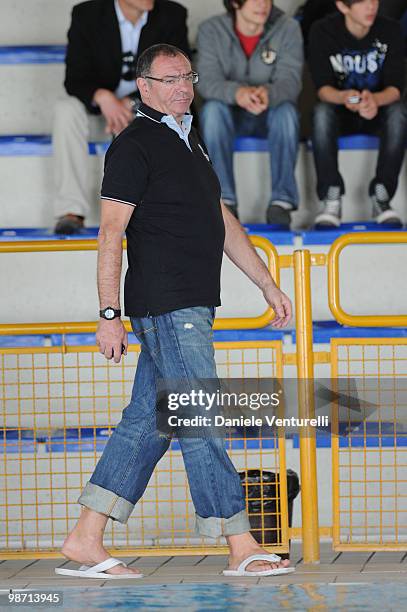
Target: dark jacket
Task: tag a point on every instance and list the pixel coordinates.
(94, 54)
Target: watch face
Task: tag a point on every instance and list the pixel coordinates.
(109, 313)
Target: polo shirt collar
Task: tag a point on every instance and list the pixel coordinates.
(150, 113)
(155, 115)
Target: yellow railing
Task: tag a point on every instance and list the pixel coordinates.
(274, 263)
(369, 461)
(334, 279)
(55, 399)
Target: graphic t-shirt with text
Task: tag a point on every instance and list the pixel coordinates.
(339, 59)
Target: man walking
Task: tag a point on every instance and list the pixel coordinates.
(160, 188)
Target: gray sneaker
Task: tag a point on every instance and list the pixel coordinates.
(383, 213)
(279, 214)
(331, 209)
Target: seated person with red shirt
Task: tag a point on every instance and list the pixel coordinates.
(250, 66)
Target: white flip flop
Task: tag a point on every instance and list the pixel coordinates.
(241, 570)
(98, 571)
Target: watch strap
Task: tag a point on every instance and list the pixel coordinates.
(116, 313)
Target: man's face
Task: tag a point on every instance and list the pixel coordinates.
(170, 99)
(140, 5)
(361, 13)
(255, 11)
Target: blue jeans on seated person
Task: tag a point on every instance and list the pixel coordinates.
(221, 124)
(331, 121)
(175, 345)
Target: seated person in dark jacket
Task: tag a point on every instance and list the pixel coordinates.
(357, 64)
(104, 41)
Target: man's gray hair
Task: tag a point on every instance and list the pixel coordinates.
(148, 56)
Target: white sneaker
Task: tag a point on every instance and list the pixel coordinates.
(330, 215)
(382, 211)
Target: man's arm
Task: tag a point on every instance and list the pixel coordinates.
(111, 335)
(371, 102)
(330, 94)
(240, 250)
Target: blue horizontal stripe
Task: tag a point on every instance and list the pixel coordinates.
(44, 233)
(90, 439)
(24, 145)
(354, 142)
(40, 145)
(248, 144)
(328, 236)
(38, 54)
(273, 233)
(323, 332)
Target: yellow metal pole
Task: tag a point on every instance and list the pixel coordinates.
(306, 408)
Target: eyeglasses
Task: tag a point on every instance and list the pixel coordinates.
(192, 77)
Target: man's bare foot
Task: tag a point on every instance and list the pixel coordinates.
(243, 546)
(88, 550)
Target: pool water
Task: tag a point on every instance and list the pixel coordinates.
(231, 598)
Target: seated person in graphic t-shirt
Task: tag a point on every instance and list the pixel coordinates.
(356, 60)
(250, 66)
(313, 10)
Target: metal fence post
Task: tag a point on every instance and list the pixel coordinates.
(306, 408)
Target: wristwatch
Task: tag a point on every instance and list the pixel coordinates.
(109, 313)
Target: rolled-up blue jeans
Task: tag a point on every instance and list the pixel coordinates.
(221, 123)
(175, 345)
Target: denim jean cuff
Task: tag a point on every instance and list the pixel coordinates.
(106, 502)
(213, 526)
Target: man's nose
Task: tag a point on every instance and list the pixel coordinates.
(185, 86)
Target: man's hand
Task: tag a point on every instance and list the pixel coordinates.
(368, 107)
(252, 99)
(110, 337)
(262, 95)
(348, 95)
(280, 303)
(116, 112)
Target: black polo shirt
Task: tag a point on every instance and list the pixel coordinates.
(176, 233)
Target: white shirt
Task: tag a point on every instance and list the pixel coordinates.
(130, 36)
(182, 130)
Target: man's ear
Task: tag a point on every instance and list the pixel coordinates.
(343, 8)
(143, 87)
